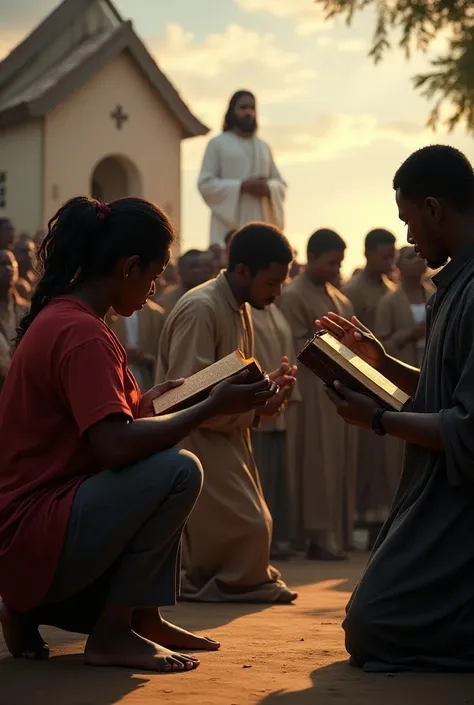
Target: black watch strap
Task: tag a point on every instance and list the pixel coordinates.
(377, 426)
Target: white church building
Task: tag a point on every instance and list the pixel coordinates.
(84, 109)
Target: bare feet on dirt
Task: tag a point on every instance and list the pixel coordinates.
(22, 637)
(150, 624)
(128, 649)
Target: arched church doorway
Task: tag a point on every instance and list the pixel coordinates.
(115, 177)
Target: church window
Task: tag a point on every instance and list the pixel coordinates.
(3, 189)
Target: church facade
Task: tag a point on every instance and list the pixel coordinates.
(84, 109)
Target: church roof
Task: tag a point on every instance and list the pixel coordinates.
(24, 99)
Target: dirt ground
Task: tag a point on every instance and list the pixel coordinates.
(281, 655)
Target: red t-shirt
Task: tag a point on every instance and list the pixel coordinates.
(68, 373)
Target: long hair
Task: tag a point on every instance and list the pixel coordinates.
(86, 240)
(229, 118)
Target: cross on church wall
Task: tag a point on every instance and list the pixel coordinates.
(119, 116)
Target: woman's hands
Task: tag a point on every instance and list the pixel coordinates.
(146, 405)
(237, 396)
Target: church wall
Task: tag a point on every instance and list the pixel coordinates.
(80, 132)
(21, 158)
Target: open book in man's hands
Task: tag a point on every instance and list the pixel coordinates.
(198, 387)
(330, 360)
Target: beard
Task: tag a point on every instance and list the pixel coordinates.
(247, 125)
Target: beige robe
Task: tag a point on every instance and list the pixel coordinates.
(394, 319)
(374, 484)
(227, 539)
(150, 324)
(170, 298)
(274, 340)
(229, 160)
(326, 445)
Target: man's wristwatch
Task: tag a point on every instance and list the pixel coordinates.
(377, 426)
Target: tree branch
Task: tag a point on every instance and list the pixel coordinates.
(419, 22)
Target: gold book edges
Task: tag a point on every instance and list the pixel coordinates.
(197, 387)
(329, 359)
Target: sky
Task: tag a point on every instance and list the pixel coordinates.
(338, 125)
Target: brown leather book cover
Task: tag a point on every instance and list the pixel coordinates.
(330, 360)
(197, 387)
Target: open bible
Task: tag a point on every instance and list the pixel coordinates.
(330, 360)
(197, 387)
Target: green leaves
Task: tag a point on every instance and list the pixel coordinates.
(419, 22)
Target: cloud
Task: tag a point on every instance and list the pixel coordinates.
(235, 45)
(308, 16)
(351, 44)
(326, 137)
(207, 71)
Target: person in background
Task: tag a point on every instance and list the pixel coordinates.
(227, 240)
(12, 306)
(5, 356)
(273, 441)
(38, 238)
(93, 494)
(400, 322)
(140, 336)
(25, 253)
(227, 540)
(171, 276)
(194, 268)
(400, 325)
(368, 285)
(7, 234)
(218, 259)
(239, 180)
(365, 290)
(413, 607)
(24, 289)
(326, 447)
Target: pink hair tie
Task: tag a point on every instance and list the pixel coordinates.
(103, 210)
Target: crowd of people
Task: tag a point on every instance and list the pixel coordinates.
(104, 513)
(320, 478)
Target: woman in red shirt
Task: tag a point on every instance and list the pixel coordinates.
(93, 494)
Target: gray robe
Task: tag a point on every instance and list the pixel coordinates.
(414, 606)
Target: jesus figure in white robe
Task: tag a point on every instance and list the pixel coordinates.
(239, 179)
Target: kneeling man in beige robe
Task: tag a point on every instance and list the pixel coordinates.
(227, 539)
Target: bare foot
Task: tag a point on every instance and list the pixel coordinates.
(150, 624)
(22, 638)
(127, 649)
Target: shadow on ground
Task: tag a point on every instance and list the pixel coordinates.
(199, 616)
(304, 572)
(341, 683)
(65, 681)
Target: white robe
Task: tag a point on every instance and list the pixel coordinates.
(229, 160)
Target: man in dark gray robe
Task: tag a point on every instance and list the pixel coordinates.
(414, 606)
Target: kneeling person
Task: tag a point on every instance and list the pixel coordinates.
(85, 548)
(227, 539)
(413, 608)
